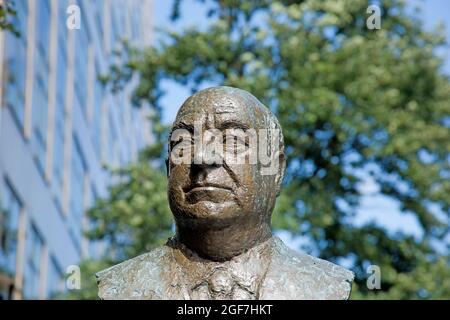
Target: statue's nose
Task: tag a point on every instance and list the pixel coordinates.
(202, 160)
(209, 154)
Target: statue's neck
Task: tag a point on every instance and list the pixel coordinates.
(225, 243)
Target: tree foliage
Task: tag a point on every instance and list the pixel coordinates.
(7, 14)
(137, 210)
(349, 100)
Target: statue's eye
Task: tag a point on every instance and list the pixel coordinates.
(235, 143)
(178, 136)
(184, 140)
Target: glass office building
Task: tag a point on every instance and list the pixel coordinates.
(59, 129)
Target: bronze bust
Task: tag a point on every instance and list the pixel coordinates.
(224, 247)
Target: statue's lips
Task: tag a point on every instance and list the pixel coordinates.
(210, 188)
(213, 193)
(207, 187)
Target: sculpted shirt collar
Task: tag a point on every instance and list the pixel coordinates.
(239, 278)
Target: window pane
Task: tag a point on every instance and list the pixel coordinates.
(15, 62)
(58, 148)
(97, 120)
(34, 246)
(55, 280)
(9, 221)
(40, 87)
(81, 64)
(78, 171)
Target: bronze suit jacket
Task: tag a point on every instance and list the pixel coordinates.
(268, 271)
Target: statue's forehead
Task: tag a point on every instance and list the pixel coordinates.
(218, 105)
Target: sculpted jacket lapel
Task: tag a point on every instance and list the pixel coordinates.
(239, 278)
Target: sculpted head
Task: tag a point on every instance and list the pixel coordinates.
(219, 177)
(222, 198)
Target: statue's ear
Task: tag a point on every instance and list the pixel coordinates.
(281, 170)
(167, 167)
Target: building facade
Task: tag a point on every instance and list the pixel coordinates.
(59, 130)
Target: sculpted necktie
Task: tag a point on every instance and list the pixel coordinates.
(239, 278)
(222, 285)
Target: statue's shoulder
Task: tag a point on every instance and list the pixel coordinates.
(137, 278)
(294, 275)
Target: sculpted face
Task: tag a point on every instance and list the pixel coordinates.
(217, 194)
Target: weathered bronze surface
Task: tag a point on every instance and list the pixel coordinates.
(224, 247)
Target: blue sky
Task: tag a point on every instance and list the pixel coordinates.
(373, 205)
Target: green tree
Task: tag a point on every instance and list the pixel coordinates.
(349, 100)
(7, 14)
(133, 219)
